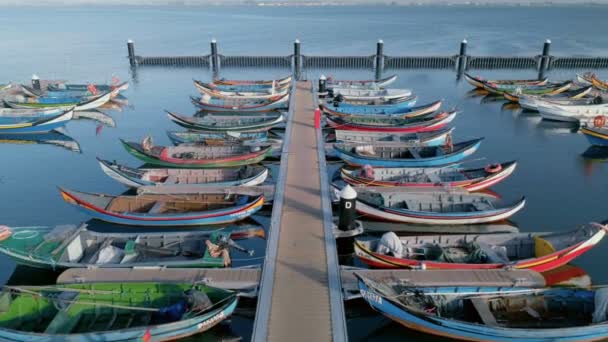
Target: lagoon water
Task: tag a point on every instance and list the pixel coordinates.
(83, 44)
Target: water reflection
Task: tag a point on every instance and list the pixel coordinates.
(558, 127)
(55, 138)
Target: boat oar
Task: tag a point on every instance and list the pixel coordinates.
(238, 247)
(248, 233)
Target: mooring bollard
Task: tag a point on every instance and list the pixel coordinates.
(131, 51)
(348, 210)
(297, 66)
(544, 59)
(322, 86)
(462, 57)
(379, 59)
(215, 58)
(36, 82)
(317, 118)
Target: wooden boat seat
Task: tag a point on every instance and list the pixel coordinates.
(483, 310)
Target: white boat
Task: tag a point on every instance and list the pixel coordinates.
(371, 94)
(572, 113)
(533, 102)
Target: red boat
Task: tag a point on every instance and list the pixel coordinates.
(536, 251)
(416, 125)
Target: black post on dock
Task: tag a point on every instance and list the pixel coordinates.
(131, 50)
(297, 59)
(322, 91)
(215, 59)
(36, 82)
(346, 220)
(544, 59)
(379, 59)
(462, 58)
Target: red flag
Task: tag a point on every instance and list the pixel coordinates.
(98, 129)
(147, 336)
(91, 88)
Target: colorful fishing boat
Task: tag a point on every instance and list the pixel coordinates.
(64, 247)
(54, 138)
(377, 83)
(34, 124)
(112, 312)
(434, 138)
(11, 112)
(165, 210)
(198, 156)
(394, 105)
(572, 113)
(229, 137)
(241, 105)
(213, 90)
(535, 251)
(451, 177)
(591, 78)
(402, 156)
(403, 112)
(426, 123)
(548, 89)
(597, 136)
(546, 315)
(249, 175)
(280, 81)
(570, 95)
(369, 94)
(87, 92)
(228, 123)
(116, 85)
(79, 103)
(478, 82)
(432, 207)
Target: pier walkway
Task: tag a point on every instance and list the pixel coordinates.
(294, 302)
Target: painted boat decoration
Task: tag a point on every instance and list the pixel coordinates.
(549, 89)
(432, 207)
(370, 94)
(451, 177)
(535, 316)
(220, 137)
(243, 176)
(591, 78)
(399, 156)
(227, 123)
(212, 90)
(411, 112)
(535, 251)
(572, 113)
(280, 81)
(112, 312)
(60, 103)
(54, 138)
(57, 248)
(371, 124)
(597, 136)
(434, 138)
(377, 83)
(570, 95)
(34, 124)
(197, 156)
(241, 105)
(478, 82)
(165, 210)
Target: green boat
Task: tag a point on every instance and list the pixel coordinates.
(196, 155)
(64, 247)
(549, 89)
(132, 311)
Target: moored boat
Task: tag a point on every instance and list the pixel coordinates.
(57, 248)
(212, 90)
(402, 112)
(241, 105)
(214, 136)
(433, 138)
(377, 83)
(400, 156)
(228, 123)
(597, 136)
(370, 94)
(244, 176)
(165, 210)
(548, 89)
(470, 179)
(572, 113)
(427, 123)
(112, 312)
(478, 82)
(570, 95)
(432, 207)
(197, 156)
(280, 81)
(535, 251)
(84, 103)
(34, 124)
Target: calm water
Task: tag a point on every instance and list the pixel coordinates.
(88, 44)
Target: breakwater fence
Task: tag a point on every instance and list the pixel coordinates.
(379, 62)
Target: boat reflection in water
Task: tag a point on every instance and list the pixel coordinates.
(55, 137)
(558, 127)
(95, 115)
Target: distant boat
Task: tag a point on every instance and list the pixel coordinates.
(370, 94)
(165, 210)
(570, 95)
(590, 78)
(548, 89)
(112, 312)
(280, 81)
(398, 156)
(54, 247)
(540, 315)
(535, 251)
(243, 176)
(478, 82)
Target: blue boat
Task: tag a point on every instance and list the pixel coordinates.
(241, 105)
(34, 124)
(405, 112)
(390, 155)
(196, 137)
(166, 210)
(406, 102)
(545, 315)
(597, 136)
